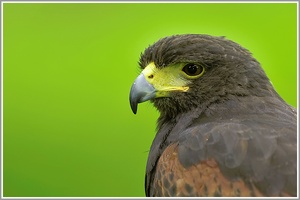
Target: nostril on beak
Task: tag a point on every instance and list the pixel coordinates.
(150, 76)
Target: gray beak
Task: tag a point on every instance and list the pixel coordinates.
(141, 90)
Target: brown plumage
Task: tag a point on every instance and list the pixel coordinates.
(199, 180)
(229, 134)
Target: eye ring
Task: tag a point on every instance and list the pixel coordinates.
(192, 69)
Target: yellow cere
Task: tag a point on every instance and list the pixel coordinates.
(166, 79)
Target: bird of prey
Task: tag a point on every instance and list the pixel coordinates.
(223, 130)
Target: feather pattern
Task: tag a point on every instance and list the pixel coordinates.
(230, 134)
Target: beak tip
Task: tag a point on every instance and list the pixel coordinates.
(133, 100)
(133, 107)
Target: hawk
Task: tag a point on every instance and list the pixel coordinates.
(223, 130)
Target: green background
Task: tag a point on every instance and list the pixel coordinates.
(68, 69)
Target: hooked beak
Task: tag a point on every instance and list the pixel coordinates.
(155, 83)
(141, 90)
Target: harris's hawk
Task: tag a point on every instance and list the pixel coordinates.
(223, 130)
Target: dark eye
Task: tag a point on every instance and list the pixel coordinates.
(192, 69)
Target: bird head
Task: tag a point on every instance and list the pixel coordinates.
(183, 72)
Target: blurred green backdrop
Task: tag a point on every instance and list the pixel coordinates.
(68, 68)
